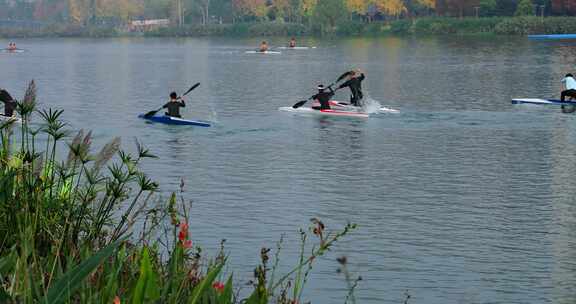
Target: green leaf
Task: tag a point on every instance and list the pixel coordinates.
(4, 296)
(198, 292)
(147, 286)
(63, 288)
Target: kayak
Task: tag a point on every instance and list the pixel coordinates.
(331, 112)
(539, 101)
(552, 37)
(342, 106)
(4, 119)
(296, 47)
(265, 52)
(12, 51)
(176, 121)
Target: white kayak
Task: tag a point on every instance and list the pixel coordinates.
(301, 48)
(4, 119)
(342, 106)
(265, 52)
(539, 101)
(331, 112)
(12, 50)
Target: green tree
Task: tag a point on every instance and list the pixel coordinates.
(524, 8)
(329, 13)
(488, 8)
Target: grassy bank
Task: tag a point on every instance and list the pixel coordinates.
(83, 227)
(417, 26)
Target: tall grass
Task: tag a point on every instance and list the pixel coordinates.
(67, 228)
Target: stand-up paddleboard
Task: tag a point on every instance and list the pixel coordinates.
(301, 48)
(4, 119)
(331, 112)
(175, 121)
(552, 37)
(539, 101)
(265, 52)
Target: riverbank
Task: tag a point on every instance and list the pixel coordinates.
(83, 231)
(418, 26)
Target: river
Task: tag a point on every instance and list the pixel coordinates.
(460, 198)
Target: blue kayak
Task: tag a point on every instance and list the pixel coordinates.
(552, 37)
(540, 101)
(175, 121)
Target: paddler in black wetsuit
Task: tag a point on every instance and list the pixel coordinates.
(9, 103)
(354, 82)
(174, 105)
(323, 97)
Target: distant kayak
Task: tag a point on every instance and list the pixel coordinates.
(539, 101)
(265, 52)
(4, 119)
(552, 37)
(176, 121)
(12, 51)
(296, 47)
(331, 112)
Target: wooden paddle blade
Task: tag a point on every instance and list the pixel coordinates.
(299, 104)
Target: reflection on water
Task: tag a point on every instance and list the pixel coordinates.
(460, 198)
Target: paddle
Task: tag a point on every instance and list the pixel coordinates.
(152, 113)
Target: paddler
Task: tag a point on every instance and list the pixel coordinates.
(263, 47)
(292, 43)
(323, 97)
(12, 46)
(174, 105)
(9, 103)
(354, 82)
(569, 87)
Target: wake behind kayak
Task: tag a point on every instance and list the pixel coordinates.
(168, 120)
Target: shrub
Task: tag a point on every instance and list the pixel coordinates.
(66, 226)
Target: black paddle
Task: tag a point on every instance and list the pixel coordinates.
(152, 113)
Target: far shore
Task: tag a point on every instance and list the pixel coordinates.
(417, 26)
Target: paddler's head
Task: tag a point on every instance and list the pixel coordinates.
(569, 75)
(321, 88)
(173, 95)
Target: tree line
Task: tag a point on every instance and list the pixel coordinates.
(327, 12)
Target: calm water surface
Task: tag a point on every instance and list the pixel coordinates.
(460, 198)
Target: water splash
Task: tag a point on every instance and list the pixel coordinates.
(372, 105)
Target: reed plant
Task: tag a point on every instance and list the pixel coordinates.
(89, 227)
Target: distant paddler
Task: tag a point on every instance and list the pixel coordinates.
(12, 46)
(9, 103)
(263, 47)
(292, 43)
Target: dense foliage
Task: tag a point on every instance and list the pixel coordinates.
(325, 13)
(76, 229)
